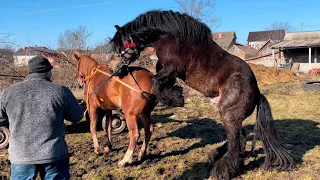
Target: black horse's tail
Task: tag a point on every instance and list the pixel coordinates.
(276, 156)
(151, 98)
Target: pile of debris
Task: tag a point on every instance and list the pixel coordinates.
(272, 75)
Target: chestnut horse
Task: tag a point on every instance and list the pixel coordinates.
(125, 94)
(185, 49)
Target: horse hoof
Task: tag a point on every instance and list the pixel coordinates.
(217, 154)
(107, 149)
(121, 165)
(213, 157)
(97, 152)
(226, 168)
(140, 157)
(124, 163)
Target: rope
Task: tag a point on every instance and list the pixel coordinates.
(94, 71)
(123, 83)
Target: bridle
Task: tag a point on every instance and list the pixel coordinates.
(130, 53)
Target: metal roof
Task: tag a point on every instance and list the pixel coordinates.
(297, 44)
(299, 40)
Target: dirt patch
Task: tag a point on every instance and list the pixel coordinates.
(272, 75)
(4, 165)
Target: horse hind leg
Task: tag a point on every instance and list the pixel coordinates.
(235, 105)
(148, 129)
(134, 134)
(108, 114)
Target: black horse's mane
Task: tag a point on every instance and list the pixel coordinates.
(148, 28)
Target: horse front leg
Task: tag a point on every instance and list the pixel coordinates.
(164, 84)
(93, 129)
(231, 163)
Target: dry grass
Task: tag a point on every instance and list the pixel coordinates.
(183, 137)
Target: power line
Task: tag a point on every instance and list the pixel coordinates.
(63, 8)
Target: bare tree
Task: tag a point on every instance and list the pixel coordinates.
(74, 39)
(4, 38)
(6, 50)
(8, 47)
(200, 9)
(282, 25)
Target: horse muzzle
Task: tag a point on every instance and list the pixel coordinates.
(129, 55)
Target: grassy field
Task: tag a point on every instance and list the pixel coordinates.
(183, 138)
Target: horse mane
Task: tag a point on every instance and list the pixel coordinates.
(150, 26)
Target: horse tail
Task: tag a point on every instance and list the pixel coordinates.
(276, 156)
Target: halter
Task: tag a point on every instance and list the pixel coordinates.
(129, 46)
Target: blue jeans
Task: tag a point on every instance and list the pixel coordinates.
(58, 170)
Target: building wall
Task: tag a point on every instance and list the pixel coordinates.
(22, 60)
(301, 56)
(257, 44)
(266, 49)
(267, 61)
(237, 52)
(304, 67)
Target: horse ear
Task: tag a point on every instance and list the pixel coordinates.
(118, 28)
(76, 55)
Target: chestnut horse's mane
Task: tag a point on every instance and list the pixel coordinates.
(150, 26)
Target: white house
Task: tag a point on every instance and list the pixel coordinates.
(24, 54)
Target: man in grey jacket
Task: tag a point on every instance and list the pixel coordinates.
(35, 110)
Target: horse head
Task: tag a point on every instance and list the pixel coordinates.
(125, 46)
(85, 63)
